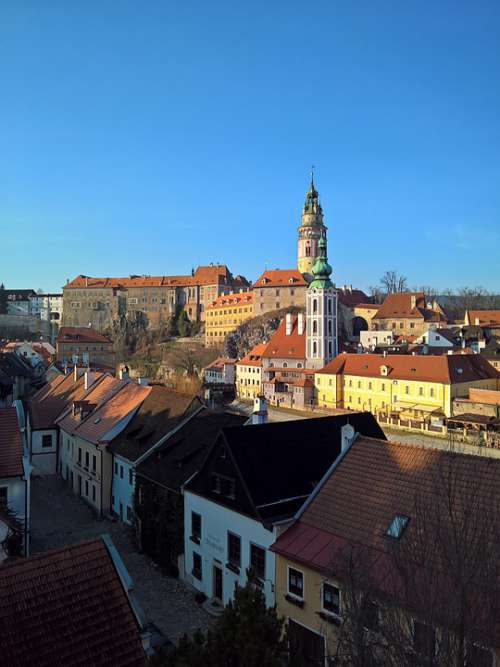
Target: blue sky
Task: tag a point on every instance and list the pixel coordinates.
(149, 137)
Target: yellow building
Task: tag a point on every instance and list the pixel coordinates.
(412, 387)
(225, 314)
(249, 373)
(337, 569)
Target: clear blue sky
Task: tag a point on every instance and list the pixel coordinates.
(149, 137)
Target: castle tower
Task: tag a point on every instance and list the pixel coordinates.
(321, 313)
(311, 230)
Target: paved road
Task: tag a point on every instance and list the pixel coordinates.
(60, 518)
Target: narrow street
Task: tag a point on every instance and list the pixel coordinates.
(59, 518)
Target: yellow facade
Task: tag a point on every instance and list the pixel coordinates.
(382, 394)
(312, 614)
(225, 315)
(248, 380)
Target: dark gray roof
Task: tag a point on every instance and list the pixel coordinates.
(161, 412)
(174, 462)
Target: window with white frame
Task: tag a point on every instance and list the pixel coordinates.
(295, 582)
(331, 599)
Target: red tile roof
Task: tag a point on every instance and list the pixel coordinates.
(67, 607)
(81, 335)
(374, 481)
(351, 297)
(11, 445)
(281, 278)
(400, 306)
(215, 274)
(446, 368)
(253, 358)
(219, 363)
(107, 415)
(97, 394)
(282, 346)
(238, 299)
(485, 317)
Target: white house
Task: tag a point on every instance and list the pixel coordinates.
(372, 339)
(437, 338)
(221, 371)
(252, 482)
(15, 470)
(161, 414)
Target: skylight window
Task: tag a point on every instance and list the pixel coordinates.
(397, 526)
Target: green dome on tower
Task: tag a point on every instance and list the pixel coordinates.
(321, 270)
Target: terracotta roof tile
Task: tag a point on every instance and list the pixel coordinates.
(11, 445)
(238, 299)
(446, 368)
(282, 346)
(67, 607)
(253, 358)
(281, 278)
(485, 317)
(204, 275)
(97, 425)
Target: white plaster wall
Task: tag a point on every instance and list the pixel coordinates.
(123, 491)
(15, 495)
(216, 521)
(44, 458)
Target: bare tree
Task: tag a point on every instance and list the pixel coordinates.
(392, 282)
(433, 596)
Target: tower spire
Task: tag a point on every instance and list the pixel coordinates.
(321, 270)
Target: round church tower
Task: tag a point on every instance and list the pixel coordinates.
(311, 230)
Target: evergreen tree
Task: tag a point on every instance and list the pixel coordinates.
(3, 300)
(183, 324)
(247, 634)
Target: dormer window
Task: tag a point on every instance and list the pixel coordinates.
(384, 370)
(397, 526)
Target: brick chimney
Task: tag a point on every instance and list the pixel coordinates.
(300, 324)
(288, 324)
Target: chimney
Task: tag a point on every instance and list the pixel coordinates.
(347, 436)
(384, 353)
(300, 324)
(143, 381)
(259, 414)
(413, 301)
(86, 281)
(89, 379)
(209, 401)
(288, 319)
(476, 321)
(123, 373)
(75, 373)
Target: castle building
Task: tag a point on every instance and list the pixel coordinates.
(311, 230)
(321, 313)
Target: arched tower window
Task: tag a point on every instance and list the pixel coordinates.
(315, 305)
(285, 365)
(315, 348)
(330, 327)
(308, 251)
(315, 326)
(329, 306)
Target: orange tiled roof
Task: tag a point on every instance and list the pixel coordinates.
(400, 306)
(281, 278)
(486, 317)
(96, 395)
(100, 421)
(375, 481)
(219, 363)
(253, 358)
(204, 275)
(282, 346)
(238, 299)
(446, 368)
